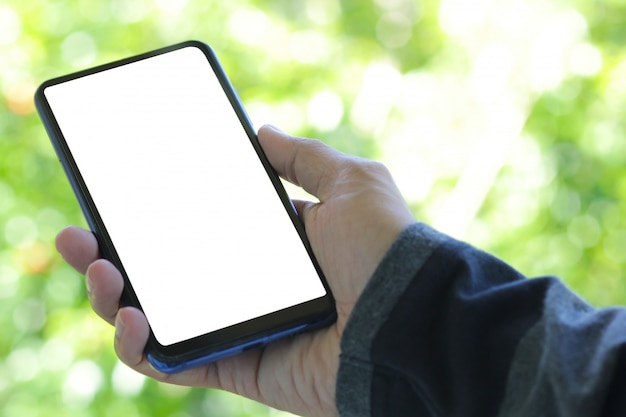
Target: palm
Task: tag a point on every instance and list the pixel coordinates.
(292, 374)
(297, 374)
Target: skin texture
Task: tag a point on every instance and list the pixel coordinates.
(359, 215)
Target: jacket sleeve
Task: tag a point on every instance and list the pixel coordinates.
(443, 329)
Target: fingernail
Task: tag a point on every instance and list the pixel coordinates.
(119, 327)
(274, 128)
(89, 286)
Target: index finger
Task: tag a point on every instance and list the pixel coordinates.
(78, 247)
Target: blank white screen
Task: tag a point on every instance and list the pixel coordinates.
(197, 224)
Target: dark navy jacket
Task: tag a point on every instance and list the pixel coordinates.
(444, 329)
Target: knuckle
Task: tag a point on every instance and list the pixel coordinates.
(367, 169)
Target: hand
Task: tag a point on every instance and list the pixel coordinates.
(359, 215)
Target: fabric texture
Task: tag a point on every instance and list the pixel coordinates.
(443, 329)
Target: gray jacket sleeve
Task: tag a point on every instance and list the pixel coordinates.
(443, 329)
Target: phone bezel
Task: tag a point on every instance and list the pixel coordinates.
(223, 342)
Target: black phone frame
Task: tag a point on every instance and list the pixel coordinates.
(227, 341)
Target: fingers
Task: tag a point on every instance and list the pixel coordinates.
(104, 286)
(305, 162)
(131, 335)
(78, 247)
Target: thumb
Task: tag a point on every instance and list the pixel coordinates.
(307, 163)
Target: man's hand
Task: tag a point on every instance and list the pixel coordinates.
(359, 215)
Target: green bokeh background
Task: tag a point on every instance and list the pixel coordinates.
(502, 122)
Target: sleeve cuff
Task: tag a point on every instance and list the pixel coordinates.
(398, 268)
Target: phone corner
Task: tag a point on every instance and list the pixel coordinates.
(196, 43)
(39, 96)
(161, 366)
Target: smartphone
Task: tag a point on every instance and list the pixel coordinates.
(182, 200)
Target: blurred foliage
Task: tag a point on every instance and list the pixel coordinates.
(502, 121)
